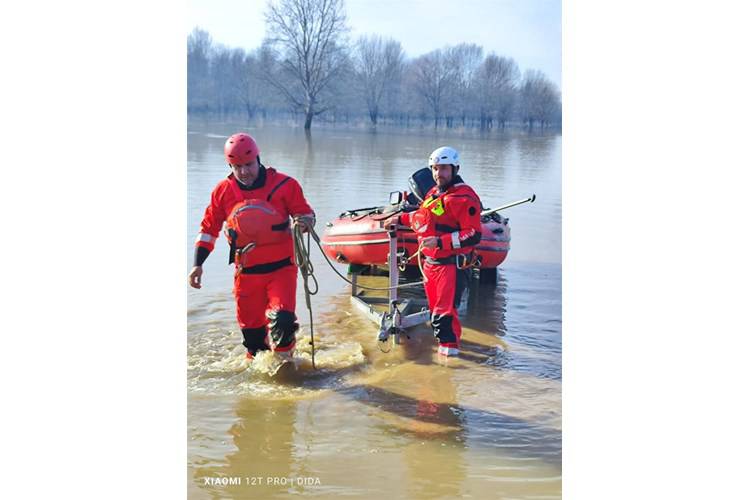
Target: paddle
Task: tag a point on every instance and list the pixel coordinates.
(493, 210)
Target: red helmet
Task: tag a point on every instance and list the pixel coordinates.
(240, 149)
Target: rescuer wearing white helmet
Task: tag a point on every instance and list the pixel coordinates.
(448, 227)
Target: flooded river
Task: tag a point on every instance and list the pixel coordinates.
(402, 424)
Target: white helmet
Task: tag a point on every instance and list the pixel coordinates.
(444, 155)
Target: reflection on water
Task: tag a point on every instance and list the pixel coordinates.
(404, 424)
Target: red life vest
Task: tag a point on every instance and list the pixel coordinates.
(282, 192)
(454, 211)
(254, 223)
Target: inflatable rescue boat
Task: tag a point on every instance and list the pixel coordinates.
(359, 237)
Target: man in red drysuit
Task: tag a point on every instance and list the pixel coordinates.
(266, 276)
(448, 226)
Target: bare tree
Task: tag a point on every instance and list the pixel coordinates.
(198, 64)
(539, 99)
(225, 70)
(496, 83)
(268, 99)
(308, 34)
(506, 104)
(377, 67)
(250, 88)
(347, 98)
(243, 66)
(432, 81)
(462, 60)
(304, 68)
(408, 103)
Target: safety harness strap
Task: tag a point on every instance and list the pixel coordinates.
(268, 267)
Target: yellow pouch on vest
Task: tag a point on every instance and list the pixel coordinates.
(438, 208)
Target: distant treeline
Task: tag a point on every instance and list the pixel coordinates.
(306, 70)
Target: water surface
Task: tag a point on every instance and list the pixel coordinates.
(403, 424)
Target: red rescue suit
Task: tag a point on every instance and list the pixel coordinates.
(266, 279)
(453, 215)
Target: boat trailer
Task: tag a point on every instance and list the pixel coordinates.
(402, 313)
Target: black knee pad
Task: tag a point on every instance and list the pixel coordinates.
(282, 326)
(255, 339)
(442, 327)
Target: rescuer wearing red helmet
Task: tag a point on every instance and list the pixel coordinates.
(448, 227)
(256, 203)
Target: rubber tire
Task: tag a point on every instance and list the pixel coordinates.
(488, 276)
(412, 273)
(358, 269)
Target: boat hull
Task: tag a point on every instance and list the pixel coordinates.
(361, 239)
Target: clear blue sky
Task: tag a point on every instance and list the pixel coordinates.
(530, 31)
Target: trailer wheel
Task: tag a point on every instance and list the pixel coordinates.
(358, 269)
(412, 273)
(488, 276)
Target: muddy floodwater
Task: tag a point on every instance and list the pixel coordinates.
(402, 424)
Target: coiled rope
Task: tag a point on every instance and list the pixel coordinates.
(302, 259)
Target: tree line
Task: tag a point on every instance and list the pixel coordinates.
(305, 69)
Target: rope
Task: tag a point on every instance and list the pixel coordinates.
(302, 258)
(403, 285)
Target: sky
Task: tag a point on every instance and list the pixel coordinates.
(530, 31)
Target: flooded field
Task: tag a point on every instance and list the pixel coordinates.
(404, 423)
